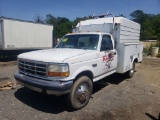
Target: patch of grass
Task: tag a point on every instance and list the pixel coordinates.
(158, 55)
(147, 49)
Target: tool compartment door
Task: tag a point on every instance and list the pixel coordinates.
(127, 53)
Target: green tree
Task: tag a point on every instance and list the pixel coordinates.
(121, 15)
(149, 24)
(148, 31)
(38, 19)
(61, 25)
(78, 19)
(156, 26)
(50, 19)
(138, 16)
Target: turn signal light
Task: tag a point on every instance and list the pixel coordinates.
(60, 74)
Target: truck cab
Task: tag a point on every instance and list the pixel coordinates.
(80, 59)
(100, 55)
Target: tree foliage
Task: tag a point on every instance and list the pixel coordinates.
(77, 20)
(150, 24)
(61, 25)
(38, 19)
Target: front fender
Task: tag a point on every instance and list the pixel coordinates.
(77, 70)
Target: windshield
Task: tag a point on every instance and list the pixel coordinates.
(80, 41)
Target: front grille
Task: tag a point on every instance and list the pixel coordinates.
(33, 67)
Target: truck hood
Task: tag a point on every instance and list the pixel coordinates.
(57, 55)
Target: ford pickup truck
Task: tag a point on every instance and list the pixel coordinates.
(96, 49)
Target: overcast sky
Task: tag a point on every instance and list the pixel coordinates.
(28, 9)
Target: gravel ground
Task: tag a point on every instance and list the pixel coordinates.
(114, 98)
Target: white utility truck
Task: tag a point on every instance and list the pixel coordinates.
(99, 48)
(18, 36)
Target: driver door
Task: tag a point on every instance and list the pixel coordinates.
(108, 54)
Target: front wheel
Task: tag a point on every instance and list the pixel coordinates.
(80, 93)
(131, 72)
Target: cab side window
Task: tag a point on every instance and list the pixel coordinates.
(106, 43)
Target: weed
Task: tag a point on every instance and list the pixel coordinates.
(147, 50)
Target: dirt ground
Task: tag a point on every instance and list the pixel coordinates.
(114, 98)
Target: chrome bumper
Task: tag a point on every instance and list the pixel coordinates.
(55, 87)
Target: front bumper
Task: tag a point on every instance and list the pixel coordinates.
(56, 87)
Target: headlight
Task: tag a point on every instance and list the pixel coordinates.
(55, 70)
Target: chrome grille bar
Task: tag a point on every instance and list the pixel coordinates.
(33, 67)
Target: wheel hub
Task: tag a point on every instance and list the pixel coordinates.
(133, 69)
(82, 93)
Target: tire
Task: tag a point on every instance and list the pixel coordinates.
(80, 93)
(131, 72)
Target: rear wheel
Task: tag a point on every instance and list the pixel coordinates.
(131, 72)
(80, 93)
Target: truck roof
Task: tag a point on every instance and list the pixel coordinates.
(122, 29)
(88, 33)
(13, 19)
(118, 20)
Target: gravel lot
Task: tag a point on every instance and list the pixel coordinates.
(114, 98)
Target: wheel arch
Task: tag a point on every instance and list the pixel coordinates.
(85, 73)
(135, 60)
